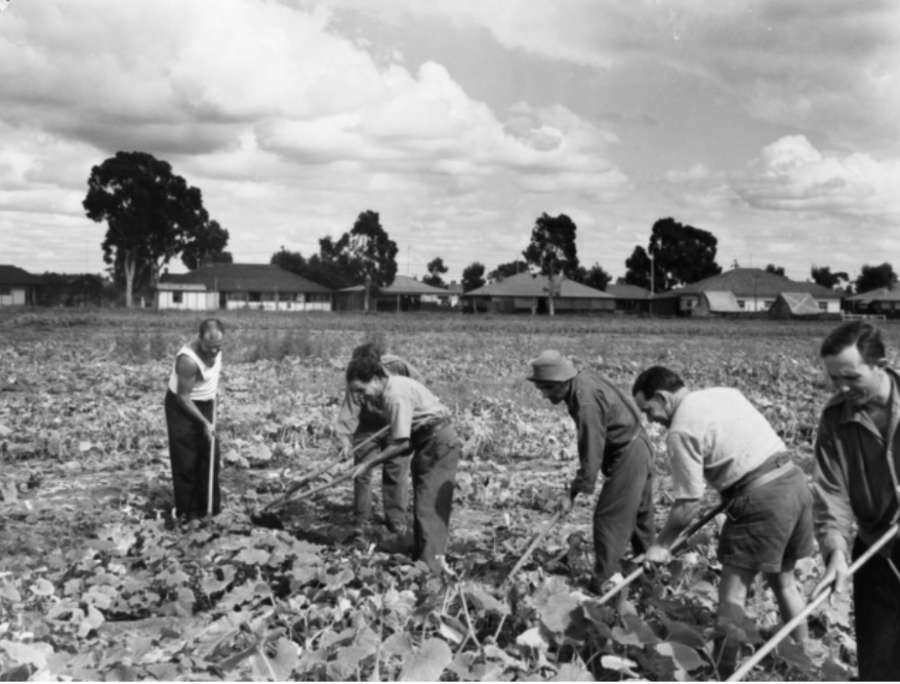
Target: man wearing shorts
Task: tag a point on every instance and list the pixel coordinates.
(716, 434)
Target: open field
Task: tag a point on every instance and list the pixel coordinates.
(95, 583)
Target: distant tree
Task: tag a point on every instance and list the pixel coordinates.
(289, 261)
(594, 277)
(507, 270)
(553, 251)
(372, 252)
(208, 241)
(824, 277)
(681, 255)
(435, 269)
(872, 277)
(151, 213)
(473, 276)
(66, 289)
(777, 270)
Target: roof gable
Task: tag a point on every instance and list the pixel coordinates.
(248, 278)
(528, 285)
(797, 304)
(625, 291)
(753, 282)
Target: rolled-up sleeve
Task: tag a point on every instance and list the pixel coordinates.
(591, 427)
(348, 418)
(832, 513)
(686, 459)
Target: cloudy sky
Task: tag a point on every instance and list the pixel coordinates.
(773, 124)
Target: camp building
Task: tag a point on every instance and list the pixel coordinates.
(883, 301)
(526, 292)
(238, 286)
(17, 286)
(404, 294)
(740, 290)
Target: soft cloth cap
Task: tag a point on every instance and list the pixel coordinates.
(551, 366)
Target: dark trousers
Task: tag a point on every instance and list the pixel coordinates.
(624, 509)
(189, 456)
(876, 604)
(394, 474)
(434, 477)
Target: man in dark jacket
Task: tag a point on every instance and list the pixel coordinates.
(857, 490)
(612, 441)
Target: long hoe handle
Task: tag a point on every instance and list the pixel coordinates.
(212, 464)
(537, 540)
(283, 499)
(679, 541)
(753, 660)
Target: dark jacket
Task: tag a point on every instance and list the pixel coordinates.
(607, 421)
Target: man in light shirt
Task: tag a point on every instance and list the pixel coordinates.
(189, 405)
(718, 436)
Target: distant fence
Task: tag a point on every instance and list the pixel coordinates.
(862, 317)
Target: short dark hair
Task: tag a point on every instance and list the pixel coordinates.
(865, 336)
(369, 349)
(364, 369)
(210, 324)
(654, 379)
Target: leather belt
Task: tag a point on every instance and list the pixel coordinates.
(758, 482)
(427, 431)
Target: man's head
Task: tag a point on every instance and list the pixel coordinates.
(369, 349)
(366, 378)
(552, 373)
(854, 358)
(654, 392)
(212, 334)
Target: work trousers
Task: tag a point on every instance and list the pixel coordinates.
(189, 456)
(876, 603)
(394, 475)
(624, 510)
(434, 477)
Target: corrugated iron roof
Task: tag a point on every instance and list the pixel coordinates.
(249, 278)
(13, 275)
(404, 285)
(720, 302)
(528, 285)
(625, 291)
(882, 294)
(752, 282)
(799, 303)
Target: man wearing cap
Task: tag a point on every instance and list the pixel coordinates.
(611, 440)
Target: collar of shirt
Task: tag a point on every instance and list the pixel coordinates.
(852, 414)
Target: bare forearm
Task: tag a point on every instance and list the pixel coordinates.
(191, 408)
(393, 451)
(680, 517)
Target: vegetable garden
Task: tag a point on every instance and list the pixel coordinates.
(96, 582)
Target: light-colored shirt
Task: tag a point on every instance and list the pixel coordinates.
(353, 417)
(852, 480)
(717, 435)
(408, 405)
(204, 388)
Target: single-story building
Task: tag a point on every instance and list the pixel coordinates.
(717, 304)
(404, 294)
(17, 286)
(627, 296)
(795, 305)
(238, 286)
(754, 289)
(526, 292)
(883, 301)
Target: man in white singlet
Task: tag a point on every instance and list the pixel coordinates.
(190, 402)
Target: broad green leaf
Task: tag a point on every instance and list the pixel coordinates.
(253, 557)
(685, 657)
(42, 587)
(635, 633)
(428, 663)
(9, 592)
(399, 643)
(617, 664)
(558, 611)
(570, 672)
(260, 452)
(30, 654)
(833, 671)
(682, 633)
(532, 638)
(794, 655)
(483, 601)
(278, 667)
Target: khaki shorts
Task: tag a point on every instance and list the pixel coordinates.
(769, 528)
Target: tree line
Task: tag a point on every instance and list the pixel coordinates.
(153, 216)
